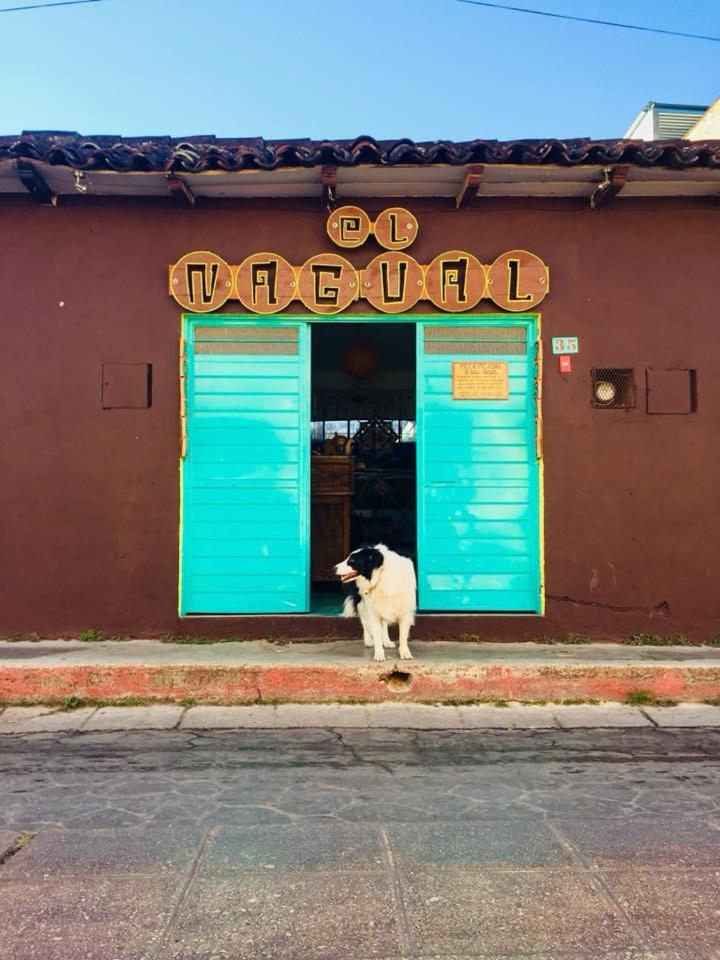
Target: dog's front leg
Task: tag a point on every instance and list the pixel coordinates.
(374, 626)
(387, 642)
(378, 643)
(403, 634)
(367, 617)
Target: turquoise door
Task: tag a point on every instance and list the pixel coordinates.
(478, 473)
(246, 472)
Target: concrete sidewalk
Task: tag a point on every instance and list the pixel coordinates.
(255, 672)
(388, 716)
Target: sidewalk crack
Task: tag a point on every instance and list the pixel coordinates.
(182, 898)
(655, 724)
(407, 947)
(598, 881)
(21, 841)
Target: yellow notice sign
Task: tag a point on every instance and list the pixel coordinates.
(480, 380)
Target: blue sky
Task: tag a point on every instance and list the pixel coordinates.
(425, 69)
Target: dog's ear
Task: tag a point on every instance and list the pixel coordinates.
(375, 559)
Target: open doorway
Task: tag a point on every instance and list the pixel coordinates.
(363, 464)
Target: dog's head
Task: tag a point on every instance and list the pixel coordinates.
(361, 563)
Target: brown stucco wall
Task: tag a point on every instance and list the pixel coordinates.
(90, 496)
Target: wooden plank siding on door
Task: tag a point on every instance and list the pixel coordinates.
(478, 476)
(245, 517)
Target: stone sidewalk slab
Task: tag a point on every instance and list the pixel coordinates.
(295, 715)
(160, 851)
(42, 719)
(227, 718)
(641, 842)
(327, 846)
(305, 715)
(685, 715)
(414, 716)
(266, 716)
(476, 845)
(76, 918)
(158, 717)
(599, 715)
(675, 908)
(277, 915)
(512, 717)
(410, 716)
(474, 912)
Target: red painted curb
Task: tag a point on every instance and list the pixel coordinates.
(365, 682)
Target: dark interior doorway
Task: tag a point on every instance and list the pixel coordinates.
(363, 473)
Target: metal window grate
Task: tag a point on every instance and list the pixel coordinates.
(237, 347)
(476, 333)
(246, 333)
(246, 340)
(486, 348)
(485, 341)
(613, 388)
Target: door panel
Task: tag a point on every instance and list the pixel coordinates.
(478, 476)
(246, 471)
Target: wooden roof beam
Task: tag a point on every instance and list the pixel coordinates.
(34, 182)
(329, 187)
(179, 189)
(470, 186)
(614, 179)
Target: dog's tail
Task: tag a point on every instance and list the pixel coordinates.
(349, 609)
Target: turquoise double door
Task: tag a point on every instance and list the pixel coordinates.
(245, 484)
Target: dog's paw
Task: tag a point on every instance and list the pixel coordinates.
(405, 655)
(368, 643)
(379, 655)
(388, 644)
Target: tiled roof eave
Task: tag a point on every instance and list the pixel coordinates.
(200, 154)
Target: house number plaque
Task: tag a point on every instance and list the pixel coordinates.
(480, 380)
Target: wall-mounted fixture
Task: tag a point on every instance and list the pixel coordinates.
(613, 387)
(671, 391)
(126, 386)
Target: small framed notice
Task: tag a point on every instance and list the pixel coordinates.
(480, 380)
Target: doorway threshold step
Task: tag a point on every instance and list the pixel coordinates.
(77, 674)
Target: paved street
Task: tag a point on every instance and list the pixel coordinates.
(550, 844)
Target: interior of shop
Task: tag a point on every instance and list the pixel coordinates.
(363, 464)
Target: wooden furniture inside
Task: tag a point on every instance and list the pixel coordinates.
(332, 485)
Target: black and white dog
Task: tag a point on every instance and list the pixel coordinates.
(382, 592)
